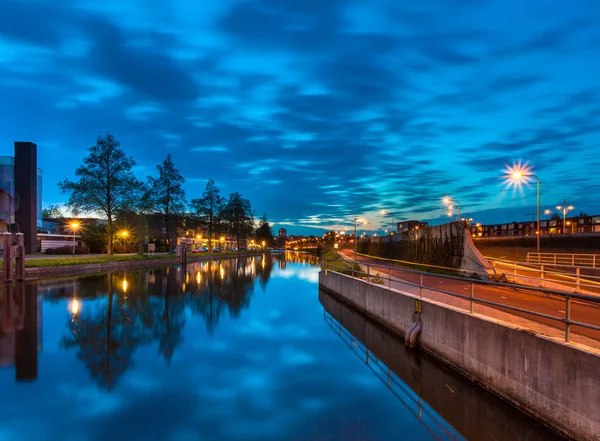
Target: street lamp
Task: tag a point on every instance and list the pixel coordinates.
(384, 213)
(564, 209)
(124, 235)
(356, 221)
(74, 226)
(519, 174)
(448, 201)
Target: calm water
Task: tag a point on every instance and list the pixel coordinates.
(233, 350)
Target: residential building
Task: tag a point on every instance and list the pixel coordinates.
(574, 225)
(410, 225)
(282, 232)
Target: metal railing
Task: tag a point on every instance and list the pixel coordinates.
(587, 260)
(379, 275)
(557, 274)
(412, 400)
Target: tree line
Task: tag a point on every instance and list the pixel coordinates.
(105, 184)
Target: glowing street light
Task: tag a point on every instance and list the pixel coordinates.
(564, 209)
(74, 226)
(384, 213)
(520, 174)
(356, 221)
(448, 201)
(124, 234)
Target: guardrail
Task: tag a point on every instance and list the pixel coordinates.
(587, 260)
(337, 265)
(578, 283)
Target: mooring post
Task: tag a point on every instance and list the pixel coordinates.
(20, 256)
(7, 255)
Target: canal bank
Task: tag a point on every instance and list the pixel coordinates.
(554, 382)
(53, 271)
(423, 384)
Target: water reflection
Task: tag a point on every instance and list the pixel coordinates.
(110, 316)
(448, 405)
(20, 333)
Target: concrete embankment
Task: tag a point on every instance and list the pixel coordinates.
(555, 382)
(473, 412)
(48, 272)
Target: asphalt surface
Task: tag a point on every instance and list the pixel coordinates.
(519, 297)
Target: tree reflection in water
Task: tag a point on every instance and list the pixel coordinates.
(122, 311)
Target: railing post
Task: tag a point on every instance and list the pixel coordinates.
(421, 286)
(515, 272)
(542, 276)
(389, 277)
(554, 258)
(368, 272)
(573, 260)
(578, 272)
(593, 261)
(568, 319)
(527, 258)
(472, 296)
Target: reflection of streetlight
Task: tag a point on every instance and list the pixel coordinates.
(564, 209)
(74, 226)
(516, 176)
(74, 306)
(124, 285)
(448, 201)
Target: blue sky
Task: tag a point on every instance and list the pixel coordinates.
(316, 111)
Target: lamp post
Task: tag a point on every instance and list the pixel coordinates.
(384, 212)
(564, 209)
(356, 220)
(74, 226)
(448, 201)
(124, 235)
(519, 174)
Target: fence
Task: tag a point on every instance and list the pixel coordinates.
(587, 260)
(567, 275)
(377, 273)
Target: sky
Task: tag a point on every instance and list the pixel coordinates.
(316, 111)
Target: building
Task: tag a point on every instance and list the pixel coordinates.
(574, 225)
(21, 193)
(282, 232)
(410, 225)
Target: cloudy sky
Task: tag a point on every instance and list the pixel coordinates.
(317, 111)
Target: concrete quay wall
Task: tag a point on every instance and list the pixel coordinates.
(555, 382)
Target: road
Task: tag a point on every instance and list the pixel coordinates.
(554, 306)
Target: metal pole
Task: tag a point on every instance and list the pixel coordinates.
(542, 276)
(578, 280)
(368, 272)
(539, 231)
(568, 319)
(389, 278)
(421, 286)
(472, 296)
(355, 243)
(593, 261)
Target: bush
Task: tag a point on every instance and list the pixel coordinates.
(68, 250)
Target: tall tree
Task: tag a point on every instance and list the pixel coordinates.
(105, 182)
(165, 194)
(264, 232)
(239, 217)
(52, 212)
(208, 208)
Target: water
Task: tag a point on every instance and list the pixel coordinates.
(233, 350)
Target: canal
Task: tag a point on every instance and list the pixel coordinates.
(242, 349)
